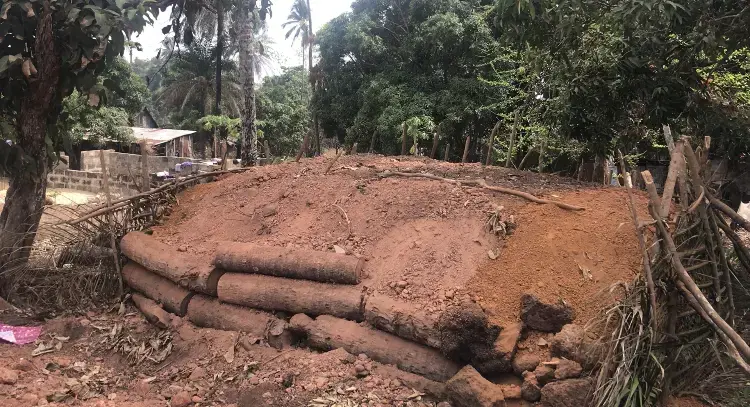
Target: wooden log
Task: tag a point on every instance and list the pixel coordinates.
(301, 264)
(327, 332)
(402, 320)
(172, 297)
(208, 312)
(295, 296)
(186, 270)
(152, 311)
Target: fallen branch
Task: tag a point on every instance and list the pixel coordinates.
(346, 217)
(480, 183)
(736, 218)
(698, 201)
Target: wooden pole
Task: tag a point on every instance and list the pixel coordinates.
(303, 147)
(405, 127)
(112, 243)
(512, 140)
(676, 165)
(435, 141)
(542, 148)
(146, 178)
(466, 149)
(447, 151)
(354, 149)
(668, 137)
(266, 149)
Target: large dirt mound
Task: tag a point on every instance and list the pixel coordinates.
(425, 241)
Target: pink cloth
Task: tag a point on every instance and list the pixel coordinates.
(20, 335)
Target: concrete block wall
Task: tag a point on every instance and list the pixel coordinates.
(130, 164)
(91, 182)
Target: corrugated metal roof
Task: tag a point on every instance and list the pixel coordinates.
(158, 136)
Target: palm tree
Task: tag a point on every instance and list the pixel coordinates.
(300, 20)
(191, 82)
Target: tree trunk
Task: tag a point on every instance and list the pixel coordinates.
(247, 74)
(219, 52)
(372, 141)
(403, 138)
(447, 152)
(24, 204)
(466, 149)
(512, 141)
(310, 41)
(435, 141)
(491, 142)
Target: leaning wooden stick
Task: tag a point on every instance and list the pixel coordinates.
(644, 252)
(330, 165)
(480, 183)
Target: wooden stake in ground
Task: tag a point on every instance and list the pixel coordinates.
(542, 150)
(466, 149)
(447, 152)
(491, 142)
(512, 141)
(330, 165)
(266, 149)
(146, 178)
(676, 165)
(110, 223)
(435, 141)
(354, 149)
(405, 127)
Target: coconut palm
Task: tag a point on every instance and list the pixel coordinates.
(300, 26)
(190, 82)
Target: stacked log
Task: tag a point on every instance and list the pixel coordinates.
(292, 263)
(185, 270)
(173, 298)
(402, 319)
(327, 332)
(294, 296)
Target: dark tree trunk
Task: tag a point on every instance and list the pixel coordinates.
(24, 204)
(219, 52)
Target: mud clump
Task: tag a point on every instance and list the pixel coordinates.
(467, 335)
(544, 317)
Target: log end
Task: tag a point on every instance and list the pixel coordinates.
(301, 323)
(212, 282)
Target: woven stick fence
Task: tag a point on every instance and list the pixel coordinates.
(677, 330)
(72, 261)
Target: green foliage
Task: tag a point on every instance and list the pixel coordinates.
(84, 122)
(131, 93)
(283, 111)
(228, 127)
(419, 128)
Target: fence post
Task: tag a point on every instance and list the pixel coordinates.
(113, 244)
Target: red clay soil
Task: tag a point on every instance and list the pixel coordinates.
(424, 240)
(553, 251)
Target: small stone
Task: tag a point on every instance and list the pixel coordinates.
(402, 284)
(544, 374)
(254, 380)
(449, 294)
(63, 362)
(363, 373)
(359, 367)
(269, 210)
(545, 317)
(321, 382)
(348, 359)
(572, 392)
(23, 365)
(181, 399)
(392, 284)
(197, 399)
(568, 369)
(542, 342)
(8, 376)
(512, 392)
(197, 374)
(362, 356)
(267, 395)
(288, 380)
(527, 362)
(395, 383)
(182, 249)
(444, 404)
(530, 390)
